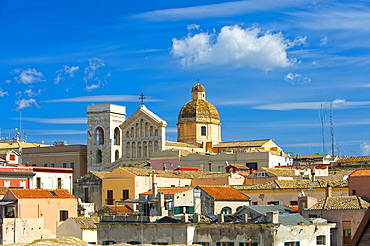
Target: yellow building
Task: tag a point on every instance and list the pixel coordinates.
(199, 121)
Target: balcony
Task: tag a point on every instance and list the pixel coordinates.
(110, 201)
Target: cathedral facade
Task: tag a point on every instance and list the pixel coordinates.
(113, 140)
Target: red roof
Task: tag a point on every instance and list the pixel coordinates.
(224, 193)
(360, 173)
(41, 193)
(186, 169)
(353, 159)
(167, 191)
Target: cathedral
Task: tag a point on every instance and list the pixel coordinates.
(113, 140)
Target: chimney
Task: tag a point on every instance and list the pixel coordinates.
(272, 217)
(328, 190)
(154, 186)
(313, 175)
(196, 218)
(185, 218)
(161, 203)
(220, 218)
(244, 218)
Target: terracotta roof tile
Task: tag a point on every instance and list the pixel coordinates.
(224, 193)
(166, 191)
(111, 210)
(341, 202)
(41, 193)
(99, 174)
(87, 223)
(249, 143)
(293, 184)
(360, 173)
(353, 159)
(3, 190)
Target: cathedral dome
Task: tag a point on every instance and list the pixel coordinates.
(198, 88)
(198, 111)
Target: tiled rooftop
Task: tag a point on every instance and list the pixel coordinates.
(360, 173)
(99, 174)
(250, 143)
(113, 209)
(353, 159)
(293, 184)
(166, 191)
(280, 172)
(86, 222)
(224, 193)
(41, 193)
(3, 190)
(341, 202)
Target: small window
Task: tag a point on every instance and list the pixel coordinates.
(320, 240)
(12, 157)
(63, 215)
(224, 243)
(38, 183)
(293, 203)
(254, 203)
(204, 131)
(59, 183)
(6, 183)
(248, 244)
(354, 192)
(273, 203)
(203, 243)
(292, 244)
(72, 165)
(45, 165)
(53, 193)
(125, 194)
(64, 165)
(52, 164)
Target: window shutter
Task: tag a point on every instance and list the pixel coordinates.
(177, 210)
(191, 210)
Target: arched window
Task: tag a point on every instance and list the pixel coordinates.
(128, 150)
(146, 129)
(150, 147)
(145, 147)
(127, 134)
(151, 131)
(117, 137)
(156, 132)
(226, 210)
(139, 154)
(133, 150)
(238, 209)
(99, 156)
(99, 136)
(116, 155)
(141, 128)
(137, 130)
(156, 147)
(132, 132)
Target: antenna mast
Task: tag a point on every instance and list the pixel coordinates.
(322, 130)
(331, 128)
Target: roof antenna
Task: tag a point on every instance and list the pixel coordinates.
(332, 130)
(322, 130)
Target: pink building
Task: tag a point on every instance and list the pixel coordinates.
(359, 183)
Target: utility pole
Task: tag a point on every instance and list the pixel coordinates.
(332, 131)
(322, 130)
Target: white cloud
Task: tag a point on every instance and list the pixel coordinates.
(103, 98)
(235, 46)
(324, 41)
(217, 10)
(56, 132)
(365, 148)
(147, 51)
(63, 121)
(66, 70)
(8, 81)
(25, 103)
(296, 78)
(28, 76)
(336, 104)
(91, 73)
(3, 93)
(193, 27)
(31, 93)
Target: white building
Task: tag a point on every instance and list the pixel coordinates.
(52, 178)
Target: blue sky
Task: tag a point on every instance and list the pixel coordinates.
(267, 66)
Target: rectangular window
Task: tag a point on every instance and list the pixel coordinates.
(6, 183)
(45, 165)
(320, 240)
(72, 165)
(22, 184)
(203, 131)
(203, 243)
(254, 203)
(252, 166)
(64, 165)
(63, 215)
(354, 192)
(125, 194)
(59, 183)
(110, 200)
(273, 203)
(291, 243)
(293, 203)
(38, 183)
(347, 233)
(9, 212)
(248, 244)
(52, 164)
(86, 195)
(224, 243)
(12, 157)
